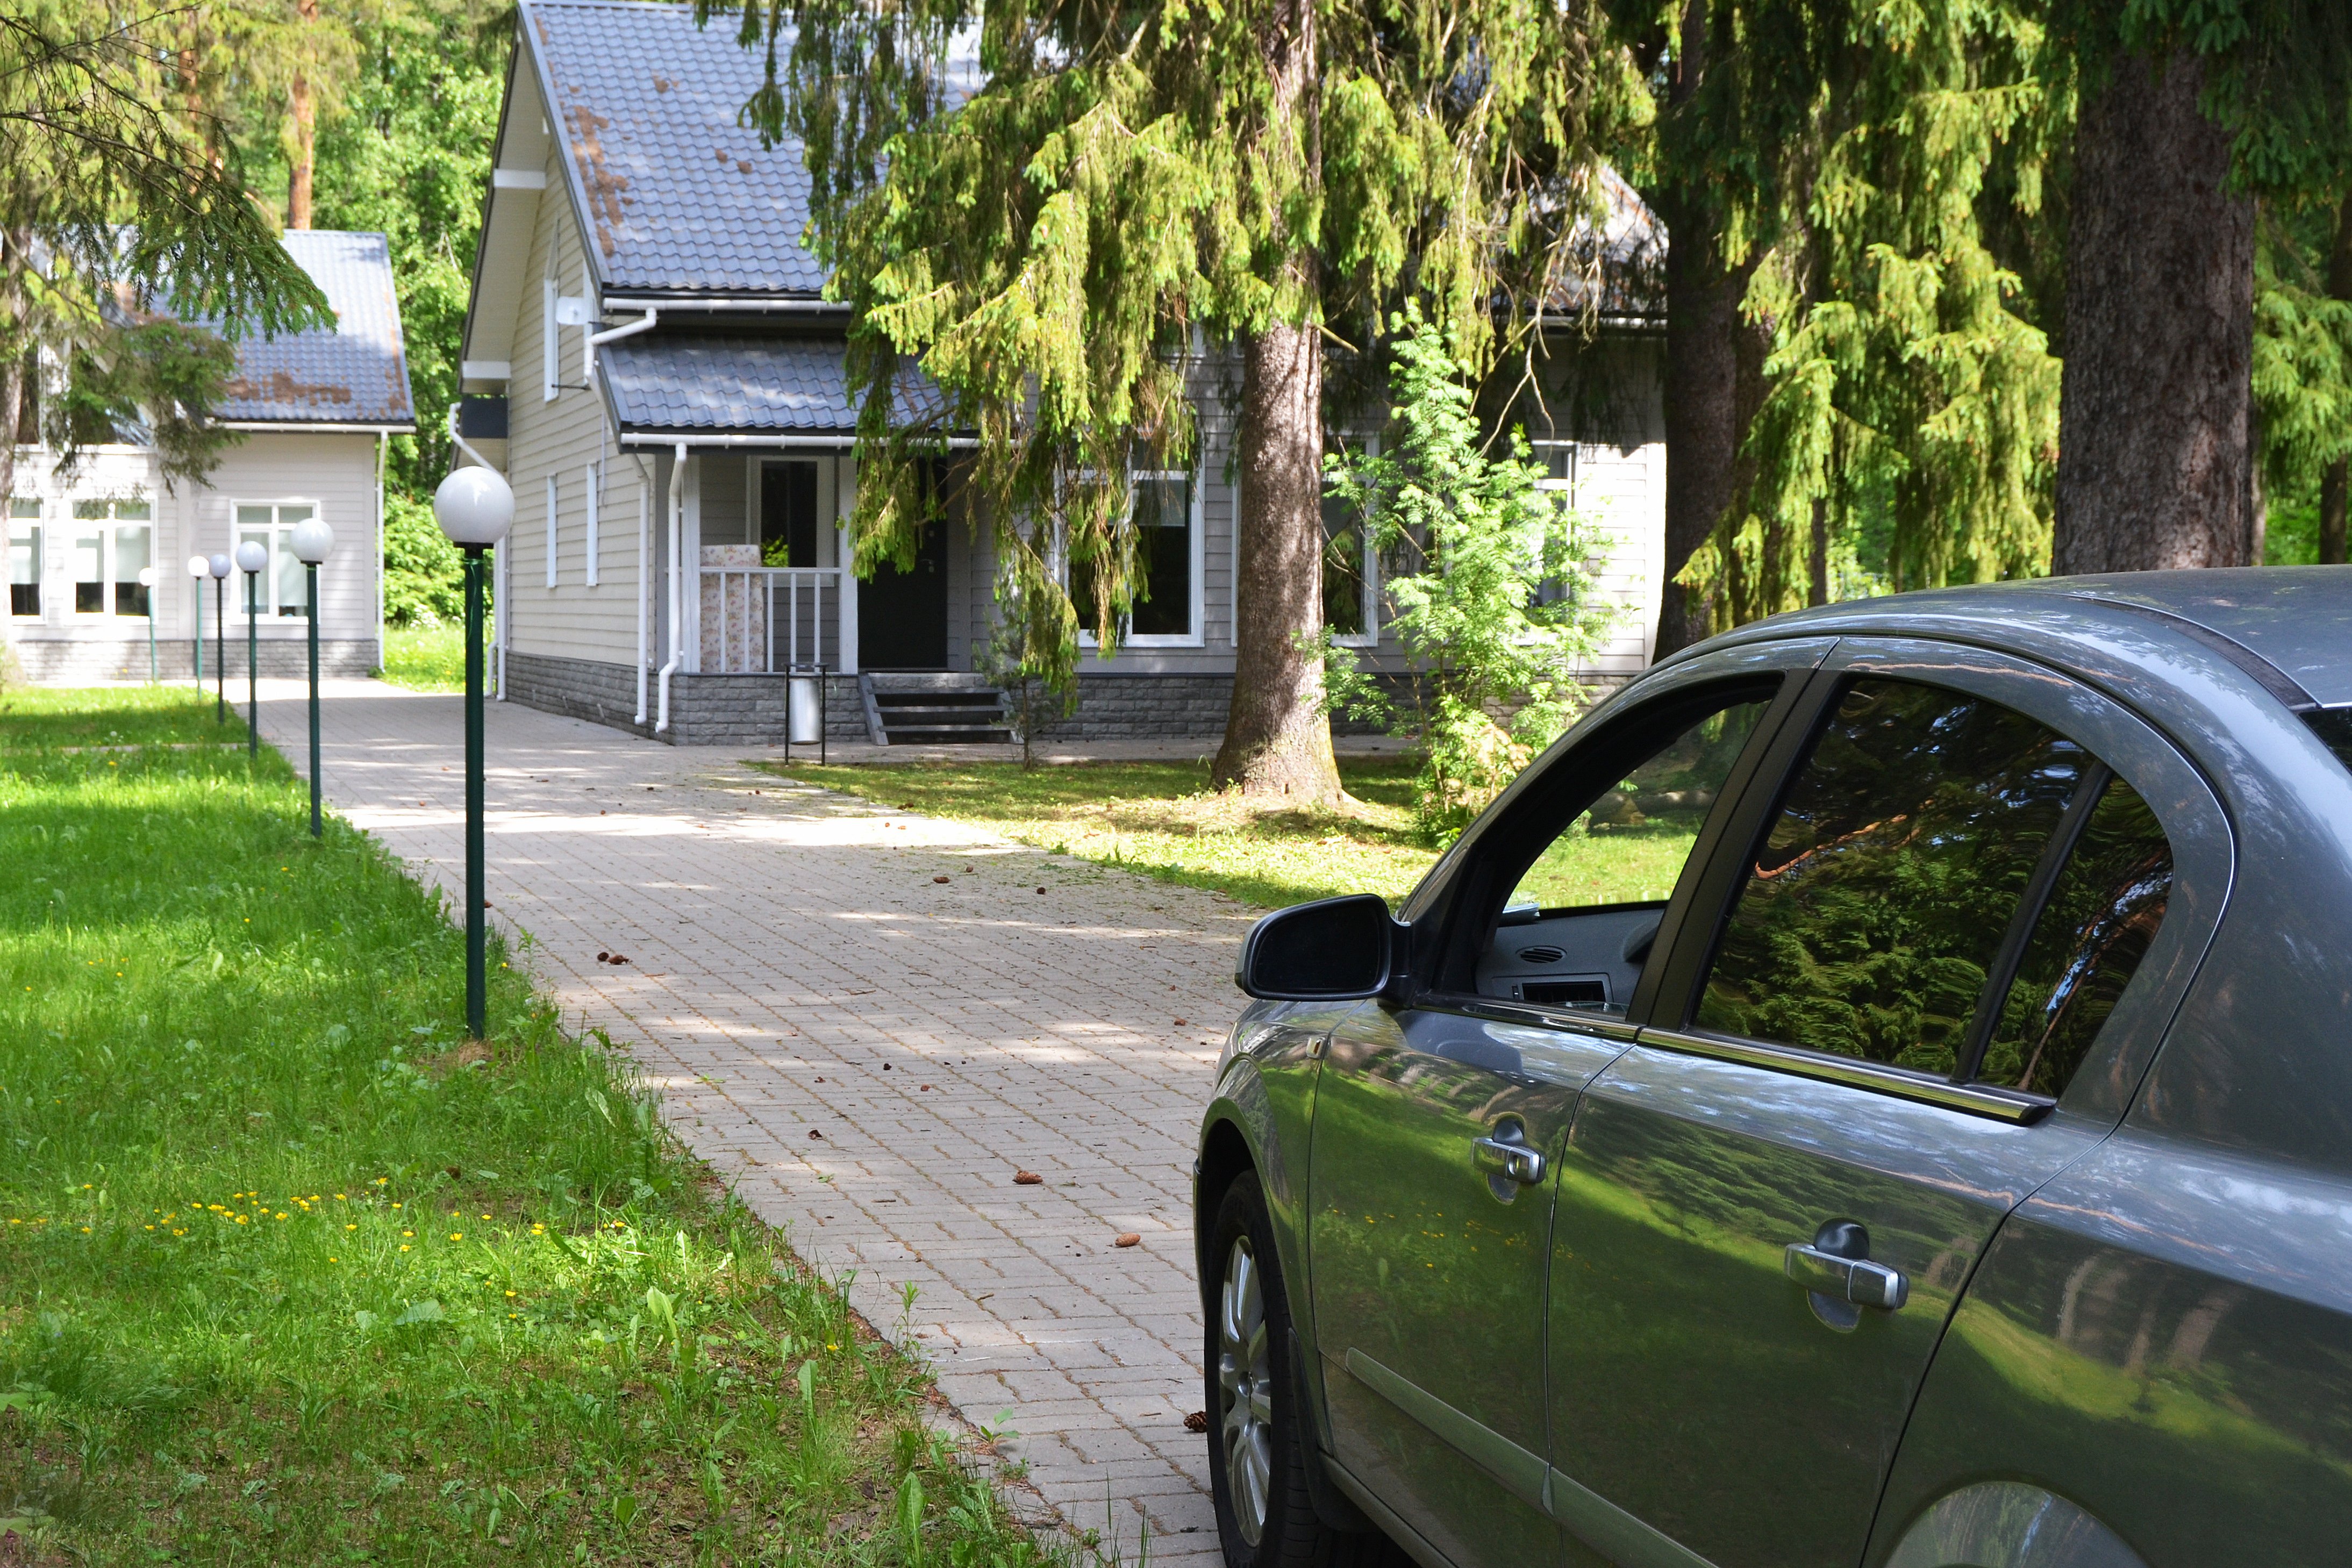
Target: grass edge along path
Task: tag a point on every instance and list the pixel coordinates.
(290, 1271)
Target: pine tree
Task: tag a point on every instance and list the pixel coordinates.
(1061, 230)
(2191, 110)
(119, 223)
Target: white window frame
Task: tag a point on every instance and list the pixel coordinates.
(39, 523)
(1197, 615)
(554, 497)
(1564, 488)
(591, 479)
(105, 527)
(280, 530)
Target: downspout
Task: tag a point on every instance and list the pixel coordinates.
(644, 587)
(677, 524)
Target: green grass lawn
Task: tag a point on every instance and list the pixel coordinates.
(289, 1272)
(38, 717)
(1161, 819)
(427, 658)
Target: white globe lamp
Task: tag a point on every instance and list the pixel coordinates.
(474, 507)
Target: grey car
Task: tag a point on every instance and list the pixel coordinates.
(1945, 1159)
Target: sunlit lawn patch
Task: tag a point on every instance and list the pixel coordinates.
(289, 1273)
(425, 658)
(1161, 819)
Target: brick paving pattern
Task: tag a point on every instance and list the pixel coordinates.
(868, 1054)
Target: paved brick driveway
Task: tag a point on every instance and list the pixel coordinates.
(870, 1053)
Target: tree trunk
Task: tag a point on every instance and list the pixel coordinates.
(2155, 407)
(1817, 586)
(1703, 422)
(14, 253)
(306, 127)
(306, 132)
(2335, 483)
(1278, 736)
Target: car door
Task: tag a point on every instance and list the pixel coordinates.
(1437, 1124)
(1770, 1205)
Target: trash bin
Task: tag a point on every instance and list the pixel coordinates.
(805, 718)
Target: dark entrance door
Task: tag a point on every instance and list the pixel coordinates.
(902, 616)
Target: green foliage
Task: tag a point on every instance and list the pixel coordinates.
(1494, 598)
(1049, 235)
(289, 1272)
(423, 575)
(410, 158)
(1014, 661)
(2302, 351)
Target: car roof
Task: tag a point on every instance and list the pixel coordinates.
(2296, 619)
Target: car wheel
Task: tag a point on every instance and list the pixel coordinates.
(1258, 1451)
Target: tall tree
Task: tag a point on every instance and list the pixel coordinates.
(2190, 110)
(115, 218)
(1063, 221)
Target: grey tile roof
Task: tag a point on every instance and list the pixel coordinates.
(750, 385)
(1625, 256)
(355, 373)
(677, 196)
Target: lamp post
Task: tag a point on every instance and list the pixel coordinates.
(200, 568)
(474, 507)
(251, 558)
(313, 540)
(220, 566)
(147, 581)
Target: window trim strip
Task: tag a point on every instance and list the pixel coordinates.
(2012, 1105)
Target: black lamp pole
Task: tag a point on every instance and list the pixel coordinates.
(252, 666)
(310, 613)
(220, 650)
(476, 889)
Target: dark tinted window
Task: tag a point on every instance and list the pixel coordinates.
(2100, 921)
(1903, 847)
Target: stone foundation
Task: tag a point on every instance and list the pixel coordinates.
(704, 710)
(63, 662)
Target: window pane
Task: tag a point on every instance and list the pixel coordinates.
(23, 570)
(1343, 566)
(1901, 849)
(132, 511)
(254, 516)
(131, 559)
(1630, 846)
(25, 507)
(2100, 921)
(240, 588)
(293, 583)
(89, 574)
(290, 516)
(88, 510)
(1163, 522)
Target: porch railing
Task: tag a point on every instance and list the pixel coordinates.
(767, 620)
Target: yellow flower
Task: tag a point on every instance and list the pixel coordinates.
(350, 1227)
(456, 1236)
(240, 1219)
(403, 1247)
(408, 1233)
(330, 1260)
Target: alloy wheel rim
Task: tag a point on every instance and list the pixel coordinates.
(1245, 1379)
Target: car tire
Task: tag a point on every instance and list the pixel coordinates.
(1258, 1444)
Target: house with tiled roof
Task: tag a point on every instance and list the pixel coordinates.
(649, 359)
(98, 556)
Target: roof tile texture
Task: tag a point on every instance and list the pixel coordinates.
(355, 373)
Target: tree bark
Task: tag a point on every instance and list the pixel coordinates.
(2155, 426)
(1704, 427)
(2335, 483)
(1817, 584)
(1278, 736)
(306, 133)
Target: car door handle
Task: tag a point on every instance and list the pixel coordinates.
(1514, 1162)
(1854, 1279)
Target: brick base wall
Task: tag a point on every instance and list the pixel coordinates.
(63, 663)
(704, 710)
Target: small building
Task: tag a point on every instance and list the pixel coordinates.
(649, 360)
(313, 410)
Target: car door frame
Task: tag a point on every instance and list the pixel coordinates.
(2195, 824)
(1455, 907)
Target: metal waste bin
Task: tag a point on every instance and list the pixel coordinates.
(805, 721)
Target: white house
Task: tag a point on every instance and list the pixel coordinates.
(648, 358)
(314, 410)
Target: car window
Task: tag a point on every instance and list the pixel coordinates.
(1630, 845)
(2087, 942)
(1583, 919)
(1903, 846)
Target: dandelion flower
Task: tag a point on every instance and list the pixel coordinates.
(403, 1247)
(456, 1236)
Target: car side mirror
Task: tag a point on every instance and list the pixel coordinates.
(1335, 949)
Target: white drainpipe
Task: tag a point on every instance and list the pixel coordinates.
(644, 587)
(676, 523)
